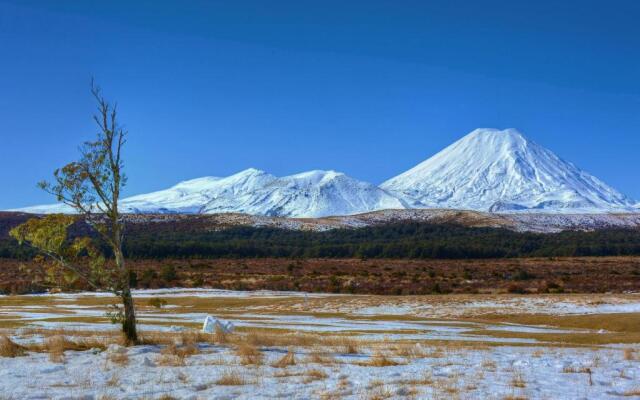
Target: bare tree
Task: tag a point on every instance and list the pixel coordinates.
(92, 187)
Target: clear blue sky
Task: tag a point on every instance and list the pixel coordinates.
(369, 88)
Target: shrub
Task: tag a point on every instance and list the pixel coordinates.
(157, 302)
(516, 289)
(168, 273)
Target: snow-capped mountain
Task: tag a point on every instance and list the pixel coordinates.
(193, 196)
(308, 194)
(487, 170)
(502, 171)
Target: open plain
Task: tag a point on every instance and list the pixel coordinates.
(331, 346)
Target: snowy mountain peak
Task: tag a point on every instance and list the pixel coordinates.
(486, 170)
(315, 177)
(203, 182)
(501, 170)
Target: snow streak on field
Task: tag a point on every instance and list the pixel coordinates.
(296, 345)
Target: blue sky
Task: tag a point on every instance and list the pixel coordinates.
(369, 88)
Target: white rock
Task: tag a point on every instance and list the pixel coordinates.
(211, 324)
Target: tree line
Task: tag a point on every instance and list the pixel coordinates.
(398, 240)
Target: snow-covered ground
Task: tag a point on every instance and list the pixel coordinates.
(402, 347)
(492, 373)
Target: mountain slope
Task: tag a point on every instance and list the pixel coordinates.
(500, 171)
(308, 194)
(193, 196)
(487, 170)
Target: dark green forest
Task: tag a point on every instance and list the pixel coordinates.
(401, 240)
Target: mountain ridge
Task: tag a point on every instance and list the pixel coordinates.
(487, 170)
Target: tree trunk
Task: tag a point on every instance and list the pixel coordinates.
(129, 321)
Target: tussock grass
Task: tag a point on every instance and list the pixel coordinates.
(8, 348)
(379, 393)
(56, 346)
(173, 355)
(249, 354)
(119, 358)
(220, 336)
(576, 370)
(379, 360)
(287, 373)
(231, 378)
(189, 337)
(630, 354)
(320, 358)
(489, 365)
(314, 375)
(286, 361)
(409, 351)
(262, 338)
(632, 393)
(517, 380)
(346, 345)
(114, 380)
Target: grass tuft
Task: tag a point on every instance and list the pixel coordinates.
(8, 348)
(249, 354)
(231, 378)
(287, 360)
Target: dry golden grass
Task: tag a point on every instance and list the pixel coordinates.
(314, 375)
(632, 392)
(56, 346)
(220, 336)
(170, 360)
(346, 344)
(630, 354)
(435, 353)
(286, 373)
(489, 365)
(379, 360)
(286, 361)
(167, 397)
(409, 351)
(121, 359)
(379, 393)
(320, 358)
(538, 353)
(188, 337)
(114, 380)
(620, 328)
(517, 380)
(231, 378)
(8, 348)
(175, 356)
(448, 387)
(249, 354)
(576, 370)
(264, 338)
